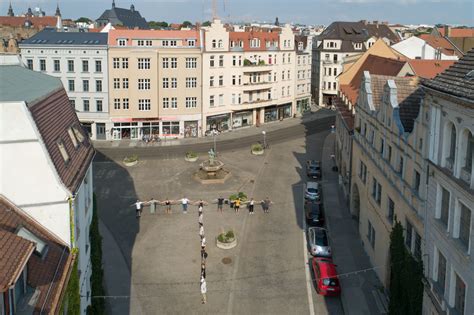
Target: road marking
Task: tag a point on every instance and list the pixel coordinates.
(305, 252)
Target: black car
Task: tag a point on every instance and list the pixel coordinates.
(313, 169)
(314, 213)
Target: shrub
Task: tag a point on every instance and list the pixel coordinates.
(226, 237)
(247, 62)
(191, 154)
(131, 158)
(261, 62)
(241, 195)
(72, 299)
(257, 147)
(230, 234)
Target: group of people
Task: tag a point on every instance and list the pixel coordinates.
(167, 203)
(203, 253)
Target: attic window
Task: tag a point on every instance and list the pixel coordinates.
(41, 248)
(78, 134)
(70, 131)
(122, 42)
(63, 151)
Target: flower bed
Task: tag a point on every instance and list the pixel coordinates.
(256, 149)
(131, 160)
(226, 240)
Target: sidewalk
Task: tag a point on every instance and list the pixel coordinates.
(361, 291)
(229, 135)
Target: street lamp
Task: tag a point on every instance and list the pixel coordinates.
(214, 134)
(264, 139)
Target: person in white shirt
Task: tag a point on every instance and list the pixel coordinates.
(251, 205)
(184, 203)
(138, 207)
(201, 230)
(203, 290)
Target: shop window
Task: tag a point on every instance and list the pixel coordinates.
(170, 127)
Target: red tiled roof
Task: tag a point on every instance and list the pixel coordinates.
(440, 42)
(53, 116)
(375, 65)
(15, 254)
(427, 68)
(246, 37)
(458, 32)
(37, 22)
(49, 274)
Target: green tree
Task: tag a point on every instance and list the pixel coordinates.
(406, 275)
(157, 24)
(83, 20)
(207, 23)
(187, 24)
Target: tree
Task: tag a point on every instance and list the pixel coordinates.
(207, 23)
(187, 24)
(157, 24)
(406, 274)
(84, 20)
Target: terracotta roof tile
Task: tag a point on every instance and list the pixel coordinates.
(37, 22)
(49, 274)
(428, 68)
(15, 254)
(440, 42)
(458, 32)
(455, 80)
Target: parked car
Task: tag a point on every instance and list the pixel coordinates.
(325, 276)
(314, 213)
(313, 191)
(318, 242)
(313, 169)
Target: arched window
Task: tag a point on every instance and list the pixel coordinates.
(469, 152)
(452, 144)
(220, 43)
(213, 43)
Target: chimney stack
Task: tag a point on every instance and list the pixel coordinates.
(447, 31)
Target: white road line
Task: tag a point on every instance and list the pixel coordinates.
(307, 272)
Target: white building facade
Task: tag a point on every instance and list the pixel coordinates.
(80, 61)
(52, 182)
(416, 48)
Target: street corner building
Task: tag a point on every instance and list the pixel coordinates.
(35, 265)
(46, 159)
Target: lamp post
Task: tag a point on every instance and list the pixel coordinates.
(214, 134)
(264, 139)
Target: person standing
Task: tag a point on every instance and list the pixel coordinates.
(152, 204)
(237, 205)
(203, 243)
(203, 290)
(220, 203)
(201, 218)
(201, 230)
(203, 270)
(251, 205)
(167, 204)
(203, 255)
(184, 202)
(266, 205)
(138, 208)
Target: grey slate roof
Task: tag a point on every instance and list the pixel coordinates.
(125, 17)
(21, 84)
(409, 96)
(455, 80)
(356, 32)
(51, 37)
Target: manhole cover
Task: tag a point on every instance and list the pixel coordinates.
(226, 260)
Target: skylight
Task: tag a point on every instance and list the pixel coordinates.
(41, 248)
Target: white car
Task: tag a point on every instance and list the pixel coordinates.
(318, 242)
(313, 191)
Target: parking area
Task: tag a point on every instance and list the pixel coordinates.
(267, 271)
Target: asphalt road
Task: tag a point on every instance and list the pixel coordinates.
(273, 137)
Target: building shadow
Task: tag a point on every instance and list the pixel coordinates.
(115, 193)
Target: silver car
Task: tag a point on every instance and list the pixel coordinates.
(318, 242)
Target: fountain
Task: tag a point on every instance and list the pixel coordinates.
(212, 171)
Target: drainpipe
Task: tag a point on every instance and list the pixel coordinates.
(71, 200)
(351, 134)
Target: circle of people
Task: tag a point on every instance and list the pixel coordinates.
(235, 204)
(185, 202)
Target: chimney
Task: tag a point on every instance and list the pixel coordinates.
(447, 31)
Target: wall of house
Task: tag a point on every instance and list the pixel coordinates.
(23, 156)
(50, 53)
(416, 48)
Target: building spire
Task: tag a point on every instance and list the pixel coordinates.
(58, 12)
(113, 4)
(10, 10)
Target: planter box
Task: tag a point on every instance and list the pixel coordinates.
(230, 245)
(130, 163)
(191, 159)
(257, 152)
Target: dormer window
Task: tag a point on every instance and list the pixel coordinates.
(358, 45)
(41, 248)
(74, 141)
(300, 46)
(255, 43)
(121, 42)
(148, 43)
(191, 42)
(79, 136)
(62, 150)
(173, 43)
(141, 42)
(241, 43)
(232, 44)
(165, 43)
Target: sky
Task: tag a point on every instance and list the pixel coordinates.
(313, 12)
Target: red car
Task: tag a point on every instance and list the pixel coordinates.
(325, 275)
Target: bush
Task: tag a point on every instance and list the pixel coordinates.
(230, 234)
(191, 154)
(226, 237)
(261, 62)
(131, 158)
(241, 195)
(97, 276)
(247, 62)
(257, 147)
